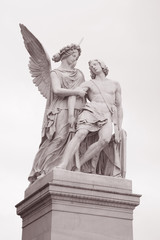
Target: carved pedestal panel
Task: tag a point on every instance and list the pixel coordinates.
(67, 205)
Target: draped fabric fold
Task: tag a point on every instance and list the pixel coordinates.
(111, 161)
(55, 129)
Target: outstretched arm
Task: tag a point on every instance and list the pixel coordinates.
(64, 92)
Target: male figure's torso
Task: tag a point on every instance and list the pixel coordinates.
(98, 87)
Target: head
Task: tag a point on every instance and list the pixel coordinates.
(96, 66)
(70, 52)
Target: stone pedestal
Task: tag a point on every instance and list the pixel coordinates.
(67, 205)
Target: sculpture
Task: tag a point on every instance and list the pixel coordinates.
(94, 148)
(98, 116)
(64, 100)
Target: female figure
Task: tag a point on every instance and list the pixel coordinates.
(64, 100)
(59, 115)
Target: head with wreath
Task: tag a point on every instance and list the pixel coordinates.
(66, 52)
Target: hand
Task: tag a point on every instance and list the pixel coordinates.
(71, 120)
(80, 92)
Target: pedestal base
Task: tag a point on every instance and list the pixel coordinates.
(67, 205)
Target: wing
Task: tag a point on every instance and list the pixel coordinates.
(39, 64)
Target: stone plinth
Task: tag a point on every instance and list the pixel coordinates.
(67, 205)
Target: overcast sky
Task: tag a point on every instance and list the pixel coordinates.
(123, 33)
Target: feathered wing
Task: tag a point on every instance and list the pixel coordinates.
(39, 64)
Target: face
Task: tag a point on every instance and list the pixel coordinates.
(95, 67)
(72, 59)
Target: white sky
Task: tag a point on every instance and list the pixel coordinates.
(123, 33)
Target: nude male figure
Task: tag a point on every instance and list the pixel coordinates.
(99, 115)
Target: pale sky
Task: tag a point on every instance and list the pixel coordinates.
(123, 33)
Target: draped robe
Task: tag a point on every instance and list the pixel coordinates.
(56, 130)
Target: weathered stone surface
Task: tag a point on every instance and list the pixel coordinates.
(65, 205)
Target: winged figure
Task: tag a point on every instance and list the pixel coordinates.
(64, 100)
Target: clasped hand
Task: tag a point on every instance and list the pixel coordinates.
(80, 92)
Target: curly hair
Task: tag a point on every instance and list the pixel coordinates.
(66, 51)
(103, 66)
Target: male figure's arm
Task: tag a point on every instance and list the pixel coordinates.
(118, 103)
(85, 86)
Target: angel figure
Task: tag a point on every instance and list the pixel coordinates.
(64, 100)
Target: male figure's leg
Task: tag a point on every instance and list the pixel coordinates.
(105, 134)
(73, 147)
